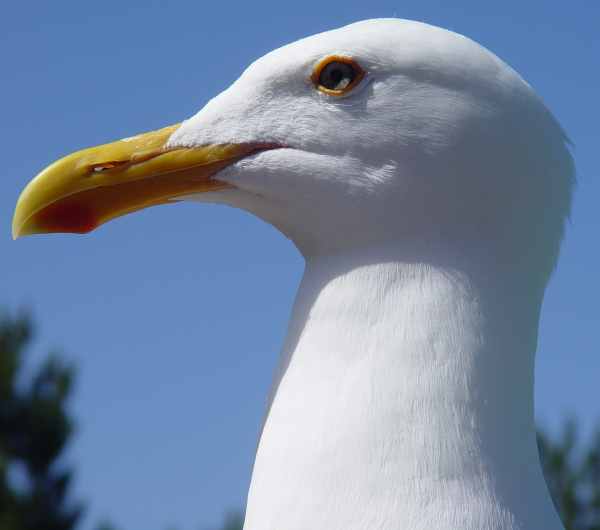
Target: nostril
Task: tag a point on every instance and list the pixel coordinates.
(106, 166)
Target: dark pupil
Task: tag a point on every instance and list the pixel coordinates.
(337, 76)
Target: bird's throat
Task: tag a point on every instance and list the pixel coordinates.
(404, 400)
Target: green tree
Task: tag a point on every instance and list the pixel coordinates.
(572, 472)
(233, 521)
(34, 430)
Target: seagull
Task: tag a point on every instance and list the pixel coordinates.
(427, 187)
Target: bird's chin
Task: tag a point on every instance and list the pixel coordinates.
(250, 179)
(260, 185)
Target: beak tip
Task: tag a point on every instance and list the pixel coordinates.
(17, 228)
(15, 232)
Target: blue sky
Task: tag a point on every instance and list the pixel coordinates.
(175, 315)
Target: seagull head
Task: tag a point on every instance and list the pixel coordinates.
(381, 132)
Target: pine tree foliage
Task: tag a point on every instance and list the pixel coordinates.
(572, 472)
(233, 521)
(34, 429)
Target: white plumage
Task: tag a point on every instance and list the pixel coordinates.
(428, 195)
(429, 204)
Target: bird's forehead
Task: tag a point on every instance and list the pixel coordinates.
(278, 85)
(388, 45)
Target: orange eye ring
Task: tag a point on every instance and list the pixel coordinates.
(345, 72)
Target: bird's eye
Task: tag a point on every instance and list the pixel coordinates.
(337, 75)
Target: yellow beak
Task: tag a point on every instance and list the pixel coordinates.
(90, 187)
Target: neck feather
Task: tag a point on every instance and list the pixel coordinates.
(404, 400)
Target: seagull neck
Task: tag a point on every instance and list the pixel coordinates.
(404, 400)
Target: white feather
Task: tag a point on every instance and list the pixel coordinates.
(429, 204)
